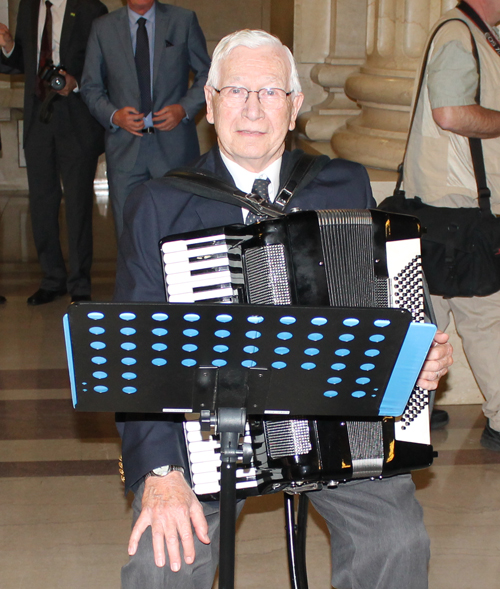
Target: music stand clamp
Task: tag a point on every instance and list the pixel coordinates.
(227, 362)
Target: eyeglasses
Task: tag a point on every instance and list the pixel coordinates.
(268, 97)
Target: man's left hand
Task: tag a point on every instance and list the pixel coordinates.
(71, 84)
(439, 359)
(168, 117)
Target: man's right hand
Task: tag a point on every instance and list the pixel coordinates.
(130, 119)
(171, 508)
(6, 40)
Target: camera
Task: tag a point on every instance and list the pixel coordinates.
(53, 76)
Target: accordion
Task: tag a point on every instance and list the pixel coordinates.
(342, 258)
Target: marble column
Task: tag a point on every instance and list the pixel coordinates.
(347, 32)
(383, 88)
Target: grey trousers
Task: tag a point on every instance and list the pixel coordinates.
(377, 535)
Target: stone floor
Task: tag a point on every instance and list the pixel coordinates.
(64, 521)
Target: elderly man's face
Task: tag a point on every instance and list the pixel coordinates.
(250, 134)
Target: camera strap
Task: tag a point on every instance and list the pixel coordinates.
(47, 107)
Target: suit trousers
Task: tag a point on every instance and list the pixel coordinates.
(378, 541)
(54, 154)
(149, 164)
(477, 321)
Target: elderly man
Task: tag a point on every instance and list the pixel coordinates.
(438, 168)
(378, 536)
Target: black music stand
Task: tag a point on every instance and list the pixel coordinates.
(229, 362)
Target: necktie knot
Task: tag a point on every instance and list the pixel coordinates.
(260, 187)
(141, 22)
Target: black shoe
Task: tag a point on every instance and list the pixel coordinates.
(439, 418)
(80, 298)
(490, 438)
(43, 296)
(2, 300)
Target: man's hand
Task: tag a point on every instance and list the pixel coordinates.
(70, 85)
(438, 360)
(130, 119)
(6, 40)
(168, 117)
(170, 507)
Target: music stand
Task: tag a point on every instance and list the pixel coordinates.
(230, 362)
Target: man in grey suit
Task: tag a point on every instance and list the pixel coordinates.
(147, 132)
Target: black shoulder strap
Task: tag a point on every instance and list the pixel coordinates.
(208, 185)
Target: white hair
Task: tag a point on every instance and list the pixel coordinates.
(251, 39)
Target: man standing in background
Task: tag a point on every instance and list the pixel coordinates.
(136, 84)
(62, 141)
(438, 168)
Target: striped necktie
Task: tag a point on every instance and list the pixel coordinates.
(260, 187)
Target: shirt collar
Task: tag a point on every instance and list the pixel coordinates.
(133, 17)
(56, 3)
(244, 179)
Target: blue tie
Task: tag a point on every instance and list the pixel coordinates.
(143, 67)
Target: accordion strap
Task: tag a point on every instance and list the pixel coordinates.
(208, 185)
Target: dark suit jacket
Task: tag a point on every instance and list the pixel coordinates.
(77, 22)
(155, 210)
(110, 81)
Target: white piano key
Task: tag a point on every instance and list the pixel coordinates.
(206, 489)
(180, 244)
(203, 446)
(202, 296)
(206, 477)
(210, 466)
(221, 278)
(194, 436)
(204, 456)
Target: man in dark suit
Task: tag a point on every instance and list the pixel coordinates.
(66, 147)
(136, 84)
(378, 538)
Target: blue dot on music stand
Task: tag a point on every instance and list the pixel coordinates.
(308, 366)
(98, 345)
(351, 322)
(255, 319)
(188, 362)
(189, 348)
(279, 365)
(334, 380)
(129, 390)
(222, 333)
(99, 360)
(158, 361)
(288, 320)
(250, 349)
(99, 375)
(342, 352)
(315, 337)
(346, 337)
(129, 361)
(101, 389)
(359, 394)
(159, 347)
(159, 331)
(219, 362)
(224, 318)
(377, 338)
(319, 321)
(95, 316)
(128, 331)
(192, 317)
(281, 351)
(372, 353)
(367, 367)
(284, 335)
(128, 346)
(97, 330)
(220, 349)
(129, 375)
(363, 380)
(253, 334)
(338, 366)
(381, 323)
(127, 316)
(311, 352)
(159, 316)
(191, 332)
(330, 394)
(249, 363)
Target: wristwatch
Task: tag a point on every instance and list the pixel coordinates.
(162, 471)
